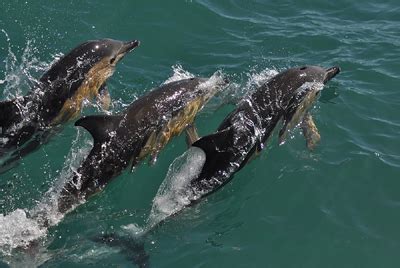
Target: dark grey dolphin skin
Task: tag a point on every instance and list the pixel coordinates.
(143, 129)
(27, 121)
(246, 130)
(241, 135)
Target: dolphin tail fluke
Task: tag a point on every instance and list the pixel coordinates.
(133, 248)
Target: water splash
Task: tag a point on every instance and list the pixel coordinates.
(236, 90)
(233, 93)
(178, 74)
(47, 208)
(174, 193)
(256, 79)
(217, 83)
(18, 230)
(134, 230)
(253, 80)
(20, 73)
(23, 226)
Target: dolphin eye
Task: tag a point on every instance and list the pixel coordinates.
(303, 68)
(112, 60)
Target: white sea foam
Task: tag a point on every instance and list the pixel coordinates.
(18, 230)
(256, 79)
(236, 90)
(23, 226)
(21, 73)
(174, 193)
(178, 74)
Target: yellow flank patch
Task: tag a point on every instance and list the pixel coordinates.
(174, 127)
(88, 90)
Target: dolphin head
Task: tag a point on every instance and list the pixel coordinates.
(90, 63)
(331, 73)
(297, 83)
(313, 74)
(107, 50)
(309, 81)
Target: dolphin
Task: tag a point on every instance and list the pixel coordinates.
(287, 97)
(212, 160)
(142, 130)
(27, 121)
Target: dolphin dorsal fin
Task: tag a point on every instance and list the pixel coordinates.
(99, 126)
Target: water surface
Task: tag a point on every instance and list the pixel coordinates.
(335, 207)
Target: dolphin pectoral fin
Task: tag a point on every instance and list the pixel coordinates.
(160, 140)
(150, 148)
(99, 126)
(158, 145)
(103, 98)
(191, 134)
(310, 132)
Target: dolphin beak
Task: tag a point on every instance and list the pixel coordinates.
(331, 73)
(129, 46)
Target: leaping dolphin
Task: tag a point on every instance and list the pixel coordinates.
(143, 129)
(27, 121)
(213, 160)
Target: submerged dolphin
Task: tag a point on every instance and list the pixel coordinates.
(143, 129)
(212, 160)
(26, 122)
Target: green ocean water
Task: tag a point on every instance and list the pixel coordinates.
(338, 206)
